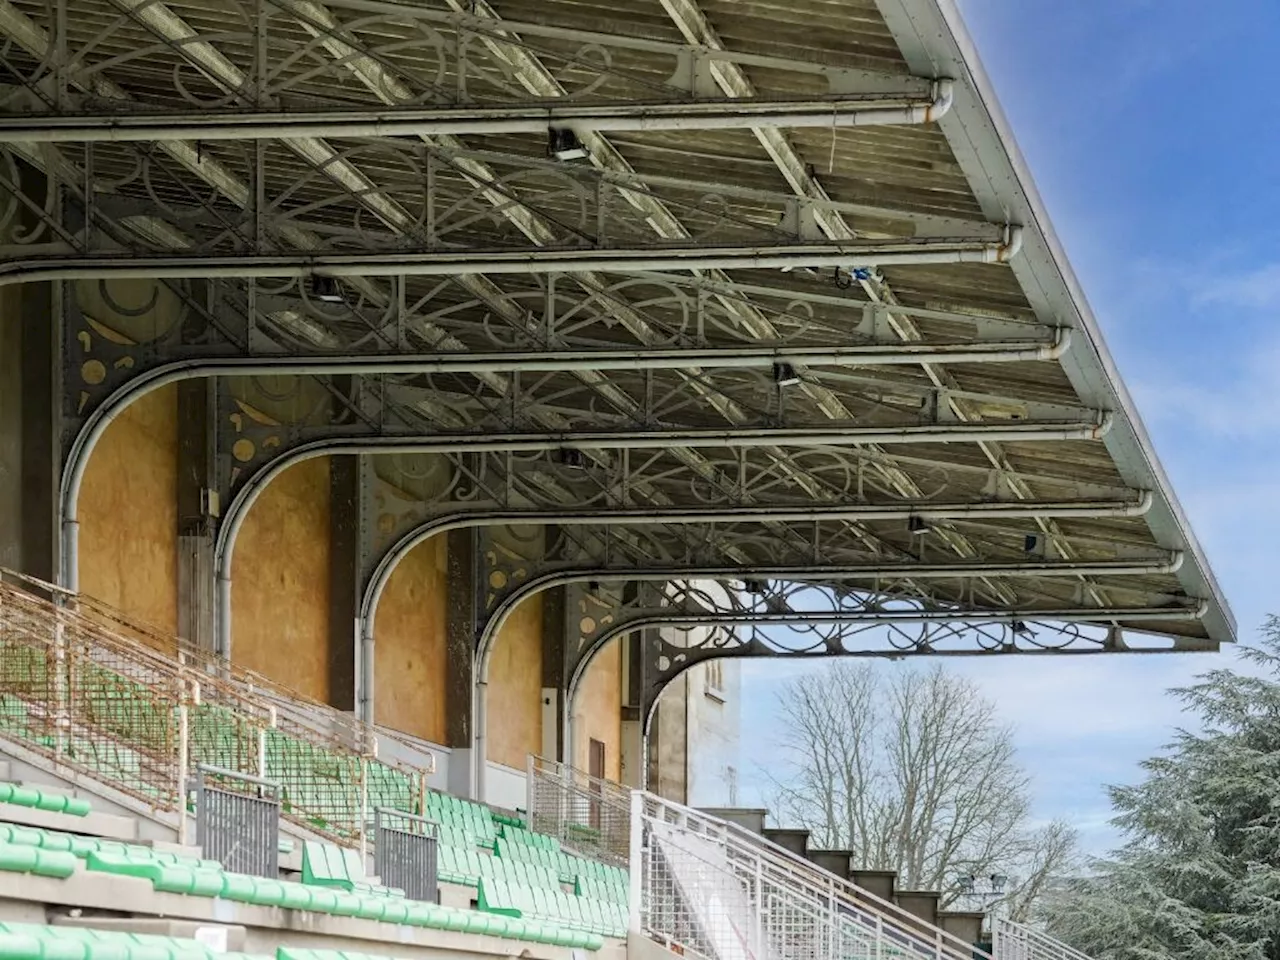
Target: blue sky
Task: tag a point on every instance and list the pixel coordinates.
(1145, 125)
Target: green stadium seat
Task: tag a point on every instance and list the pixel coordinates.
(15, 858)
(328, 865)
(38, 799)
(261, 891)
(24, 941)
(593, 917)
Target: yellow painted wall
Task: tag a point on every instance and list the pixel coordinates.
(280, 582)
(409, 643)
(599, 710)
(515, 686)
(129, 513)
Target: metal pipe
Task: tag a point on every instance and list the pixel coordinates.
(510, 361)
(534, 118)
(915, 571)
(176, 266)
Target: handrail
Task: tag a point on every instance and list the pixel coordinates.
(827, 891)
(1011, 940)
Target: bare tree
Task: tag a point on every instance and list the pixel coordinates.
(914, 773)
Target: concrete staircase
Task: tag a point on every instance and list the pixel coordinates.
(882, 884)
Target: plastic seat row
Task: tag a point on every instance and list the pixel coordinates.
(563, 865)
(288, 895)
(81, 847)
(577, 913)
(517, 834)
(597, 888)
(45, 800)
(606, 872)
(29, 941)
(467, 866)
(471, 817)
(44, 863)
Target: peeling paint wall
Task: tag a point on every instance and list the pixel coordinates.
(280, 582)
(409, 644)
(515, 686)
(599, 710)
(129, 513)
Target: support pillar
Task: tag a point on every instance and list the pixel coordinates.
(198, 509)
(554, 651)
(633, 752)
(30, 430)
(344, 591)
(460, 641)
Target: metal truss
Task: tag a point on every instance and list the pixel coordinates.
(508, 579)
(731, 519)
(266, 62)
(688, 621)
(611, 359)
(730, 514)
(670, 645)
(116, 350)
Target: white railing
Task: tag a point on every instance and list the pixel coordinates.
(1017, 941)
(585, 813)
(712, 888)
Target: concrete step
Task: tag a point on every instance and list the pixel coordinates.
(789, 838)
(95, 824)
(922, 904)
(749, 818)
(964, 925)
(833, 861)
(878, 883)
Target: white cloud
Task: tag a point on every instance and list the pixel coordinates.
(1255, 289)
(1241, 402)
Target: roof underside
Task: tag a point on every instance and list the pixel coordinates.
(677, 188)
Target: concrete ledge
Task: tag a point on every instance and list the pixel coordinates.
(457, 895)
(24, 897)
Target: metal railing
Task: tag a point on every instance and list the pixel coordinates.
(1017, 941)
(238, 821)
(406, 853)
(705, 886)
(585, 813)
(119, 701)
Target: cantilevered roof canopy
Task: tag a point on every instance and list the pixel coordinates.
(660, 259)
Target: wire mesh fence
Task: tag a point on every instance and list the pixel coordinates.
(120, 701)
(704, 886)
(587, 814)
(1017, 941)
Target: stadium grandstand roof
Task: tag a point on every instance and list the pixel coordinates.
(770, 277)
